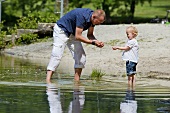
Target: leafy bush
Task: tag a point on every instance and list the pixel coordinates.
(29, 22)
(46, 17)
(2, 36)
(27, 39)
(33, 18)
(2, 39)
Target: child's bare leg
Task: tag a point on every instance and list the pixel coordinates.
(129, 80)
(133, 80)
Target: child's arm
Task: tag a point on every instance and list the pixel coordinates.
(121, 48)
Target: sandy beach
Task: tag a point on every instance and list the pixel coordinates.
(154, 52)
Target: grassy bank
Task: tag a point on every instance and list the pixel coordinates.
(144, 13)
(156, 8)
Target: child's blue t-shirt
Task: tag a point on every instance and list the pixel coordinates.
(79, 17)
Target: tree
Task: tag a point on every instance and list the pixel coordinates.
(123, 8)
(130, 6)
(12, 10)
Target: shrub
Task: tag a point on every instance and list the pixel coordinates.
(27, 38)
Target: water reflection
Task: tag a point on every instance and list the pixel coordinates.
(54, 99)
(76, 105)
(129, 105)
(23, 89)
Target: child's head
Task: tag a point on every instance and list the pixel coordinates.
(131, 32)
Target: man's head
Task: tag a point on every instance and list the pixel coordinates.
(98, 17)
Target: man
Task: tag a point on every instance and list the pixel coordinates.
(68, 31)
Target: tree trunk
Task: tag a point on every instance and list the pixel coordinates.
(132, 10)
(107, 11)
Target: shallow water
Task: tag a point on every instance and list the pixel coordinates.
(23, 90)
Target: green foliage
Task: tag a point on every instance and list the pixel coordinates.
(30, 13)
(33, 18)
(167, 23)
(2, 36)
(117, 11)
(123, 11)
(97, 74)
(78, 3)
(22, 7)
(2, 39)
(122, 8)
(27, 39)
(46, 17)
(12, 10)
(28, 22)
(12, 30)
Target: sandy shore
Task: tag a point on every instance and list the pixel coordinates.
(154, 52)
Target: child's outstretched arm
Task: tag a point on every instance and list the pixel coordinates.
(121, 48)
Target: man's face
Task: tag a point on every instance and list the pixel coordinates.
(97, 20)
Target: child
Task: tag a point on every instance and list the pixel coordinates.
(130, 54)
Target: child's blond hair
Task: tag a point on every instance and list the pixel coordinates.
(133, 29)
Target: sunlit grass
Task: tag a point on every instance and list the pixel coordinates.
(156, 8)
(113, 42)
(97, 74)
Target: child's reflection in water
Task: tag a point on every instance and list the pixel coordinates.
(129, 105)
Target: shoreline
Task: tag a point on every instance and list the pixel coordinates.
(154, 54)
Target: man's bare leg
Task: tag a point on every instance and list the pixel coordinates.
(77, 74)
(49, 75)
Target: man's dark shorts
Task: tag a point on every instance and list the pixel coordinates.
(130, 68)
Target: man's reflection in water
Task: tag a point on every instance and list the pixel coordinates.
(78, 99)
(76, 105)
(54, 98)
(129, 105)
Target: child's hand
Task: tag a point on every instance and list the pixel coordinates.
(114, 48)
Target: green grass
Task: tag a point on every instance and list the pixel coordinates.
(113, 42)
(144, 13)
(97, 74)
(157, 8)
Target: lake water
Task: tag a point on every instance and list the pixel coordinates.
(23, 90)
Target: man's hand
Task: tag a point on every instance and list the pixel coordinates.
(99, 43)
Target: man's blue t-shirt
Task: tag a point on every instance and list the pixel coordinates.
(79, 17)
